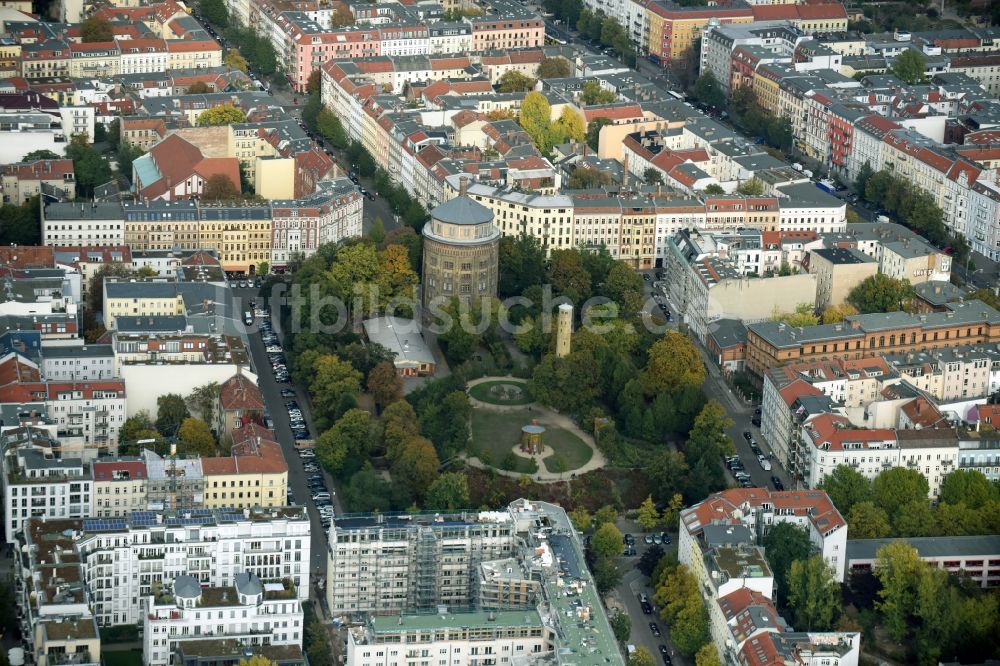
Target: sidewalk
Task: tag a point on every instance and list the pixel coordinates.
(715, 385)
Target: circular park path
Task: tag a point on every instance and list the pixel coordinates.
(527, 411)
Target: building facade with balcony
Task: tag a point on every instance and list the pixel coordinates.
(480, 638)
(39, 484)
(213, 546)
(249, 611)
(385, 564)
(53, 609)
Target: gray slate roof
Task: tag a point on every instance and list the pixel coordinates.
(462, 210)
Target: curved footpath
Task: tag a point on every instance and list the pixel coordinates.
(547, 417)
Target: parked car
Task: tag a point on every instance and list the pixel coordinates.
(287, 393)
(654, 629)
(323, 495)
(647, 608)
(776, 482)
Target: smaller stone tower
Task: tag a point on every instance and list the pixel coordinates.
(564, 330)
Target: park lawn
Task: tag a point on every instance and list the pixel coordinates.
(122, 658)
(572, 451)
(482, 393)
(497, 433)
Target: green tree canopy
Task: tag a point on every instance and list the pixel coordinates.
(708, 655)
(585, 178)
(898, 486)
(607, 541)
(641, 657)
(881, 293)
(415, 467)
(449, 492)
(514, 81)
(352, 437)
(865, 520)
(220, 187)
(910, 66)
(223, 114)
(333, 379)
(708, 91)
(554, 68)
(594, 132)
(535, 118)
(522, 264)
(846, 487)
(813, 593)
(673, 362)
(195, 438)
(592, 94)
(215, 11)
(171, 411)
(897, 567)
(751, 188)
(42, 154)
(385, 384)
(784, 544)
(96, 29)
(969, 487)
(90, 167)
(683, 608)
(621, 625)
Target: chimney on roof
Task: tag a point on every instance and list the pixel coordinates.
(463, 185)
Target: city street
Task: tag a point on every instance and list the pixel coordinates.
(283, 432)
(634, 583)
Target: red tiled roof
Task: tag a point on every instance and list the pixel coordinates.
(612, 112)
(239, 392)
(104, 471)
(27, 256)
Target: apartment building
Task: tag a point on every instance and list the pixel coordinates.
(838, 271)
(830, 440)
(91, 410)
(460, 639)
(755, 509)
(770, 344)
(385, 564)
(140, 299)
(256, 474)
(977, 557)
(95, 224)
(54, 613)
(119, 487)
(747, 628)
(77, 363)
(23, 180)
(214, 546)
(39, 484)
(558, 610)
(331, 214)
(951, 374)
(671, 31)
(718, 543)
(914, 260)
(706, 282)
(250, 612)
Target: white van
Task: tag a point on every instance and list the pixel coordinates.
(765, 464)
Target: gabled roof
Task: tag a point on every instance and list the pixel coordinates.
(239, 392)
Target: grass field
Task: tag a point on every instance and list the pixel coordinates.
(569, 451)
(495, 434)
(482, 393)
